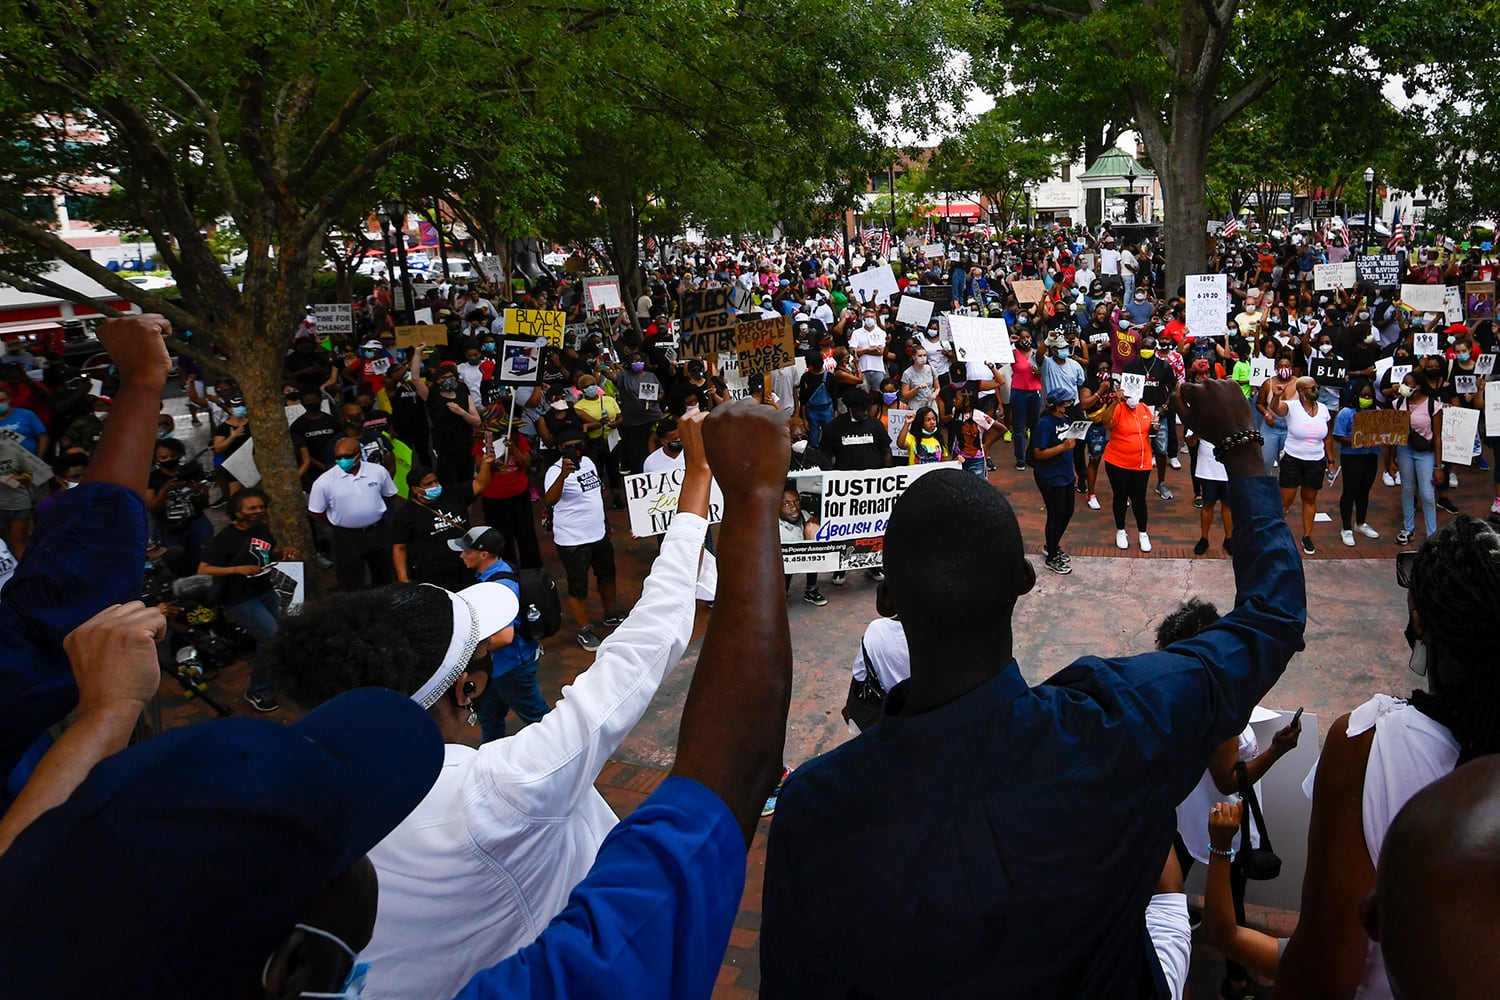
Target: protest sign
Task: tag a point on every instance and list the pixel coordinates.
(422, 316)
(603, 292)
(651, 498)
(290, 581)
(1132, 385)
(1330, 277)
(1028, 290)
(520, 361)
(1484, 364)
(1479, 299)
(1261, 369)
(848, 513)
(764, 345)
(431, 334)
(574, 334)
(338, 318)
(707, 325)
(1460, 425)
(1492, 404)
(1453, 304)
(1383, 269)
(735, 382)
(1207, 304)
(914, 310)
(648, 392)
(976, 341)
(896, 421)
(15, 460)
(1423, 298)
(932, 250)
(241, 465)
(491, 267)
(529, 324)
(1380, 427)
(1465, 384)
(1328, 371)
(875, 285)
(1424, 343)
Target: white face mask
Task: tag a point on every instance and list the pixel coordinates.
(799, 446)
(869, 323)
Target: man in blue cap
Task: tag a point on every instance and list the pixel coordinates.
(1052, 465)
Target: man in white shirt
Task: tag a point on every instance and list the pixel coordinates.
(868, 342)
(582, 535)
(351, 498)
(1128, 266)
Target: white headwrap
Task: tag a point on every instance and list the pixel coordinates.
(460, 651)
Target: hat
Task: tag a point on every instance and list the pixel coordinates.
(239, 825)
(371, 345)
(448, 366)
(1456, 328)
(480, 539)
(1058, 395)
(1201, 365)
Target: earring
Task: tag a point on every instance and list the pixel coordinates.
(472, 718)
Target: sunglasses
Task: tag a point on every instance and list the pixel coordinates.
(1404, 563)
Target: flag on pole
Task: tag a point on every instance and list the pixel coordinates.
(651, 246)
(1398, 237)
(1231, 227)
(838, 244)
(885, 243)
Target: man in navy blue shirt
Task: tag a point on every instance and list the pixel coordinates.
(987, 838)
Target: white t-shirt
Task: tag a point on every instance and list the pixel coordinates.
(863, 339)
(660, 460)
(1305, 434)
(935, 356)
(1109, 261)
(1208, 466)
(885, 641)
(1192, 812)
(578, 515)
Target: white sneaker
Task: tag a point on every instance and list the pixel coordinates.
(1121, 542)
(1388, 479)
(1145, 542)
(1397, 478)
(1369, 532)
(1175, 463)
(1094, 501)
(1347, 537)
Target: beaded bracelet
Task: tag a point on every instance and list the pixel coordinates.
(1227, 855)
(1237, 439)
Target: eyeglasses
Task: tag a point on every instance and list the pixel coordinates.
(1404, 563)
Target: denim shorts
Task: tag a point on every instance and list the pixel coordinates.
(1095, 442)
(9, 517)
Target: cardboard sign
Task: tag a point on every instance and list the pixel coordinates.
(1260, 370)
(334, 318)
(1424, 344)
(602, 292)
(1207, 303)
(1492, 404)
(519, 361)
(1331, 277)
(1460, 425)
(1383, 269)
(1479, 300)
(1029, 290)
(875, 285)
(411, 337)
(848, 512)
(1373, 428)
(914, 310)
(529, 324)
(651, 498)
(1465, 385)
(707, 325)
(895, 421)
(976, 341)
(1423, 298)
(1484, 364)
(1328, 371)
(764, 345)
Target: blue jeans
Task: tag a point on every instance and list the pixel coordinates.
(818, 417)
(513, 691)
(189, 536)
(258, 617)
(976, 466)
(1025, 411)
(1416, 476)
(1275, 435)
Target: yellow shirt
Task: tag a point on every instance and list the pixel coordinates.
(599, 411)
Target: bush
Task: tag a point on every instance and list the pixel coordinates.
(325, 287)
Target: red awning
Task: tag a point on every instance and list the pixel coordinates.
(966, 210)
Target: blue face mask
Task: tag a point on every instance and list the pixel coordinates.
(432, 492)
(1063, 353)
(162, 435)
(488, 348)
(354, 982)
(4, 409)
(347, 464)
(239, 411)
(889, 397)
(1461, 355)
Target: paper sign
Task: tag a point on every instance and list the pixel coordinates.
(1029, 290)
(1484, 364)
(289, 580)
(734, 381)
(422, 316)
(15, 459)
(529, 324)
(977, 341)
(520, 362)
(1380, 427)
(895, 421)
(241, 465)
(1492, 404)
(1424, 343)
(412, 337)
(647, 392)
(1479, 299)
(651, 498)
(1453, 304)
(914, 310)
(1132, 385)
(1399, 372)
(603, 292)
(334, 318)
(875, 285)
(1078, 430)
(764, 345)
(377, 366)
(707, 325)
(1328, 371)
(1383, 270)
(1466, 384)
(1207, 304)
(1423, 298)
(933, 250)
(1329, 277)
(1459, 427)
(1260, 370)
(848, 512)
(574, 334)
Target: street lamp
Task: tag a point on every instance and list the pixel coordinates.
(1030, 222)
(1130, 197)
(395, 209)
(1369, 204)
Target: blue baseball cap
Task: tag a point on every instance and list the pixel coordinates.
(1058, 395)
(183, 861)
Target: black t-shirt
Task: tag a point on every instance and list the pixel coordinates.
(451, 433)
(856, 444)
(1160, 379)
(425, 530)
(564, 426)
(224, 430)
(181, 506)
(316, 431)
(234, 547)
(809, 382)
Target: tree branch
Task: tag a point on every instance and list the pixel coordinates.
(315, 219)
(37, 285)
(331, 133)
(1046, 10)
(1236, 102)
(217, 155)
(1159, 32)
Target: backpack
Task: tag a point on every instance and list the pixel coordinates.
(541, 604)
(820, 397)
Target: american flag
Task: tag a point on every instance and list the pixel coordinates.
(651, 245)
(746, 245)
(838, 244)
(885, 243)
(1398, 237)
(1231, 227)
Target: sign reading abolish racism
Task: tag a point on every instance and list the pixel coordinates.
(845, 517)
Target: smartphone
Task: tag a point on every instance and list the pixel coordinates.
(1297, 719)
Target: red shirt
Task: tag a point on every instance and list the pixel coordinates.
(507, 478)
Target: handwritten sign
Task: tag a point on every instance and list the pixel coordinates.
(707, 325)
(914, 310)
(875, 285)
(1460, 426)
(337, 318)
(895, 421)
(976, 341)
(651, 499)
(1029, 290)
(1492, 404)
(411, 337)
(764, 345)
(529, 324)
(1383, 269)
(603, 292)
(1453, 304)
(1260, 370)
(1207, 304)
(1423, 298)
(734, 380)
(1330, 277)
(1373, 428)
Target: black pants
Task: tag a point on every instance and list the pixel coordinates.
(607, 459)
(358, 549)
(812, 582)
(635, 445)
(1059, 501)
(1128, 484)
(512, 515)
(1359, 475)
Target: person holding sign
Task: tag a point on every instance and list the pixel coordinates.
(921, 438)
(1360, 465)
(1308, 454)
(1052, 468)
(1417, 459)
(1127, 460)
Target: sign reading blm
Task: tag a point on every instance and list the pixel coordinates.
(707, 324)
(765, 345)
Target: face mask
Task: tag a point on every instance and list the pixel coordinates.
(488, 348)
(799, 445)
(1063, 353)
(888, 397)
(591, 392)
(920, 360)
(161, 435)
(1131, 401)
(673, 446)
(1405, 390)
(1023, 345)
(472, 361)
(959, 383)
(239, 411)
(354, 982)
(69, 484)
(4, 409)
(869, 324)
(1462, 355)
(1283, 373)
(1325, 348)
(448, 384)
(1147, 354)
(347, 464)
(1365, 404)
(637, 366)
(368, 354)
(559, 405)
(432, 492)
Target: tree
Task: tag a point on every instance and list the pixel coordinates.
(991, 158)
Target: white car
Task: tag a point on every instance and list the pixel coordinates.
(151, 282)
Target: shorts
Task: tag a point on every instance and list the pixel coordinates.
(1213, 491)
(9, 517)
(1095, 442)
(1297, 473)
(577, 559)
(1159, 440)
(1171, 938)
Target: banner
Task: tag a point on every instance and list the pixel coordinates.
(603, 292)
(411, 337)
(520, 362)
(1029, 291)
(334, 318)
(1460, 426)
(914, 310)
(529, 324)
(764, 345)
(1379, 269)
(1423, 298)
(1207, 304)
(1380, 427)
(846, 517)
(875, 285)
(977, 341)
(707, 325)
(652, 500)
(1331, 277)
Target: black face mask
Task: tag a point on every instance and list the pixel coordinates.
(355, 423)
(448, 384)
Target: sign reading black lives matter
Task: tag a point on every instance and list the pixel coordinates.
(846, 514)
(765, 345)
(707, 324)
(1383, 269)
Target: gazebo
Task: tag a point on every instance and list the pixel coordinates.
(1117, 174)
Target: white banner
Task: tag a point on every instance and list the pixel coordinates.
(1207, 304)
(877, 284)
(1460, 425)
(847, 512)
(1331, 277)
(977, 341)
(1423, 298)
(914, 310)
(652, 500)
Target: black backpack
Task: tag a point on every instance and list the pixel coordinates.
(541, 604)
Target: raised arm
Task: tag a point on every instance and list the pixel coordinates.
(128, 443)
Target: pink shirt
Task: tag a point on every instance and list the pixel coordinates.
(1023, 374)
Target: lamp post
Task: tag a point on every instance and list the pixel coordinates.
(1369, 204)
(1130, 197)
(385, 239)
(395, 209)
(1030, 220)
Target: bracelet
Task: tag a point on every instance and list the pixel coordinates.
(1237, 439)
(1227, 855)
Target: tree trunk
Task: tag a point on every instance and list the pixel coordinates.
(1183, 182)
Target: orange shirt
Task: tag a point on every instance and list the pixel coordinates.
(1129, 444)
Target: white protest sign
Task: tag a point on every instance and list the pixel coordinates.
(18, 460)
(1399, 372)
(734, 381)
(1459, 427)
(848, 513)
(378, 366)
(1330, 277)
(290, 580)
(1453, 304)
(1077, 430)
(1423, 298)
(1492, 404)
(649, 391)
(934, 250)
(1466, 384)
(914, 310)
(977, 341)
(241, 465)
(1260, 370)
(1132, 385)
(896, 421)
(422, 316)
(652, 500)
(1207, 304)
(1424, 343)
(334, 318)
(875, 285)
(603, 292)
(1484, 364)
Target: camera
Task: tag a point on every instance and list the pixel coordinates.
(573, 452)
